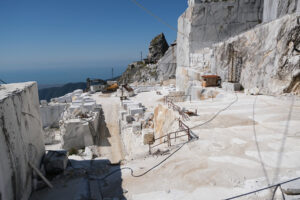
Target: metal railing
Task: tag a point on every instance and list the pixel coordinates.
(173, 136)
(178, 109)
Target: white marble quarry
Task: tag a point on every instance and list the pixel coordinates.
(51, 114)
(21, 139)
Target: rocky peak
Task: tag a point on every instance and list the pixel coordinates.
(158, 47)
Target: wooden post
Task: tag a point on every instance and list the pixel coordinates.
(41, 175)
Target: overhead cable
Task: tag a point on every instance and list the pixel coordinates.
(158, 18)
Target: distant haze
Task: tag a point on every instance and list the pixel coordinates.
(60, 75)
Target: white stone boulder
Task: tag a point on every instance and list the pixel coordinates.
(80, 133)
(55, 162)
(51, 114)
(21, 139)
(131, 104)
(133, 111)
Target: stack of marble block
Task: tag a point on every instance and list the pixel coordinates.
(132, 114)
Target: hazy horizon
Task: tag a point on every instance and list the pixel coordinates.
(61, 75)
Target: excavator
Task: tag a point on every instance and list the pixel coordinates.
(112, 88)
(109, 85)
(129, 90)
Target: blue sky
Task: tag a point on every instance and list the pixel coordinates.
(41, 38)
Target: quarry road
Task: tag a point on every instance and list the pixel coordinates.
(111, 145)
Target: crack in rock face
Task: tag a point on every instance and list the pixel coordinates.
(295, 38)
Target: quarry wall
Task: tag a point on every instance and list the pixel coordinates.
(266, 57)
(166, 66)
(21, 139)
(206, 22)
(274, 9)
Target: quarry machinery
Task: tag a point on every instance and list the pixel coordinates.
(211, 81)
(90, 82)
(112, 88)
(129, 90)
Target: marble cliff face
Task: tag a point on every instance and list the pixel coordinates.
(244, 29)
